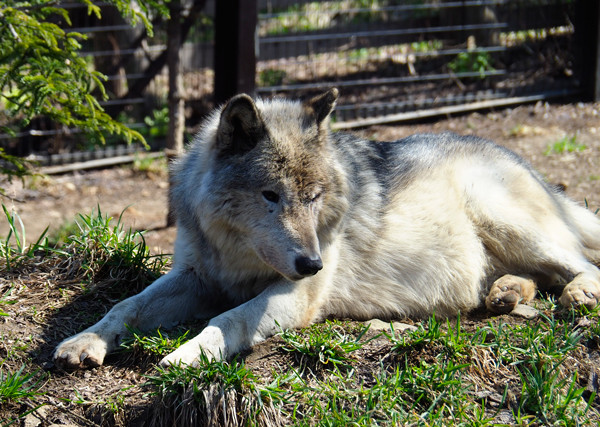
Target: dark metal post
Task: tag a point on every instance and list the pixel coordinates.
(587, 42)
(235, 48)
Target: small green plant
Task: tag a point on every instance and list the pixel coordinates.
(109, 252)
(157, 124)
(324, 344)
(60, 236)
(434, 389)
(427, 46)
(472, 62)
(5, 300)
(546, 391)
(566, 144)
(157, 344)
(424, 334)
(17, 386)
(271, 77)
(13, 254)
(231, 375)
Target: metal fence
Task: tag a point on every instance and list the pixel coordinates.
(396, 60)
(391, 59)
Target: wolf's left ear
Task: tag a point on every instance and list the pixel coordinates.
(322, 105)
(240, 126)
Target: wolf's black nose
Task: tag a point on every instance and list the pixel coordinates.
(306, 266)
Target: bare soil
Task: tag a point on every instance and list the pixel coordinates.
(46, 313)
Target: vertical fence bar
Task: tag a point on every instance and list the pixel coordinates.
(235, 48)
(587, 35)
(595, 50)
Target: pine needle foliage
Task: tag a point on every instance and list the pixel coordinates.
(42, 72)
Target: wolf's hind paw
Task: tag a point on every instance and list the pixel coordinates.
(581, 292)
(507, 292)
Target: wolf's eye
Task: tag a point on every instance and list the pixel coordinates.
(315, 197)
(271, 196)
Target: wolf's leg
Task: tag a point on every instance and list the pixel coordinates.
(582, 278)
(558, 252)
(171, 299)
(508, 291)
(281, 305)
(522, 239)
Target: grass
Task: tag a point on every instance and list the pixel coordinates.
(18, 386)
(325, 344)
(567, 144)
(151, 165)
(15, 252)
(20, 389)
(431, 376)
(154, 344)
(109, 253)
(473, 370)
(209, 394)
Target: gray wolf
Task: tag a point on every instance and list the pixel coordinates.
(282, 223)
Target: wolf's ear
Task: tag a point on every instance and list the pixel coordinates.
(322, 105)
(240, 126)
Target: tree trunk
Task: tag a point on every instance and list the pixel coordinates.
(176, 102)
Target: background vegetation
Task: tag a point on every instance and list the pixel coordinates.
(42, 72)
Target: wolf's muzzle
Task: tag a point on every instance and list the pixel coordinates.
(307, 266)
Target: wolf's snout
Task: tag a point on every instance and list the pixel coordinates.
(307, 266)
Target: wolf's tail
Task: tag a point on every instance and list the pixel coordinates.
(587, 225)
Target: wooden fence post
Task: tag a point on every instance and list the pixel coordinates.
(235, 48)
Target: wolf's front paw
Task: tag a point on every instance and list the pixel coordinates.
(210, 341)
(84, 350)
(185, 355)
(581, 291)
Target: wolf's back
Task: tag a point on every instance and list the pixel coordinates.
(395, 165)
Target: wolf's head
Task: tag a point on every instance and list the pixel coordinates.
(273, 183)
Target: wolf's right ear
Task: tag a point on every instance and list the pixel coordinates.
(322, 105)
(240, 126)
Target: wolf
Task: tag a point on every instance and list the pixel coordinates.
(282, 222)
